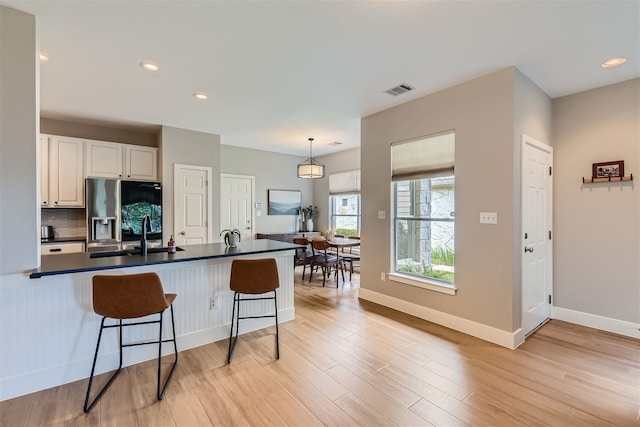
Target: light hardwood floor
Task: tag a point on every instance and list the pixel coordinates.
(349, 362)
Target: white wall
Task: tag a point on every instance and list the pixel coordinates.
(271, 171)
(597, 226)
(19, 117)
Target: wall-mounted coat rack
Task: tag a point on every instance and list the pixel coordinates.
(594, 180)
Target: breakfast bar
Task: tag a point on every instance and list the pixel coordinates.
(61, 289)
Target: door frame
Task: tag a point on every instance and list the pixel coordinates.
(529, 141)
(209, 171)
(253, 199)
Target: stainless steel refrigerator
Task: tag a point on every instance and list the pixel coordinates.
(115, 209)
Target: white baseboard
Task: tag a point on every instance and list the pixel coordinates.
(488, 333)
(608, 324)
(41, 380)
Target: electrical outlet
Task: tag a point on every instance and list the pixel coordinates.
(488, 217)
(382, 214)
(212, 303)
(383, 277)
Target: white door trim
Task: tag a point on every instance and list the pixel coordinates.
(209, 171)
(528, 141)
(253, 197)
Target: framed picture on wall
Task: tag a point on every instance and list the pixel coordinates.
(608, 169)
(284, 202)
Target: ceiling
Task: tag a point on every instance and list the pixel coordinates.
(279, 72)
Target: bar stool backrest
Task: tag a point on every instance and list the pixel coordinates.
(254, 276)
(128, 296)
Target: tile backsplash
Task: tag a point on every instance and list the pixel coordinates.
(66, 222)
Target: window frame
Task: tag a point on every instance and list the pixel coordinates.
(333, 214)
(411, 279)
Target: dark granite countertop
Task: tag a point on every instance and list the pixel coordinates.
(82, 262)
(64, 239)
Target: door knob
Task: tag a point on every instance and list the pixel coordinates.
(182, 233)
(526, 249)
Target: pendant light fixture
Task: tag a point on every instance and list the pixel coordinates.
(310, 168)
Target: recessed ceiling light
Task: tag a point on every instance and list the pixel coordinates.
(613, 62)
(149, 66)
(201, 96)
(43, 57)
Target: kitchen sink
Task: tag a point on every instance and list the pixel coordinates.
(128, 252)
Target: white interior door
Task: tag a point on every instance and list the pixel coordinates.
(237, 194)
(537, 159)
(192, 204)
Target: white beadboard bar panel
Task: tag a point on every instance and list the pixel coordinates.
(56, 313)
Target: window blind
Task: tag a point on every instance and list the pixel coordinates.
(344, 182)
(423, 158)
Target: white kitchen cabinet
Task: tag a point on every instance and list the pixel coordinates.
(114, 160)
(66, 172)
(141, 162)
(104, 159)
(62, 248)
(44, 171)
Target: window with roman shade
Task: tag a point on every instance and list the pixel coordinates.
(344, 202)
(424, 209)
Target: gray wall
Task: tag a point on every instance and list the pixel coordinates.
(533, 116)
(187, 147)
(597, 226)
(19, 116)
(338, 162)
(482, 113)
(111, 132)
(271, 171)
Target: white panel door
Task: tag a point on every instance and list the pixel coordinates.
(192, 213)
(237, 200)
(537, 159)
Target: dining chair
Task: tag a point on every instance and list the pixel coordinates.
(324, 260)
(303, 256)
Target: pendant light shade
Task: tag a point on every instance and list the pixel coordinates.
(310, 168)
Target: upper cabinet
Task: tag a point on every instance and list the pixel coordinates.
(113, 160)
(104, 159)
(44, 171)
(65, 172)
(141, 162)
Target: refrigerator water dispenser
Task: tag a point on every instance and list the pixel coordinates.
(103, 228)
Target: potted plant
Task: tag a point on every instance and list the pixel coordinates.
(231, 237)
(309, 213)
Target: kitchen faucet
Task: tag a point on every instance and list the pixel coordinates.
(146, 225)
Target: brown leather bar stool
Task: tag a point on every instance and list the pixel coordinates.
(252, 277)
(130, 296)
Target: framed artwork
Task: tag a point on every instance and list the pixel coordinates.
(608, 169)
(284, 202)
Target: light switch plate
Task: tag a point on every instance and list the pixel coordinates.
(488, 217)
(382, 214)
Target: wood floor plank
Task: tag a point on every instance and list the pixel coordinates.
(349, 362)
(392, 410)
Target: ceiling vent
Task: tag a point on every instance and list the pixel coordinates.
(336, 143)
(399, 90)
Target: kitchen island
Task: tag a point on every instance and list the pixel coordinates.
(82, 262)
(55, 309)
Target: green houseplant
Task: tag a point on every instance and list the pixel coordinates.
(231, 237)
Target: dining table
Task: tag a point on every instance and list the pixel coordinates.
(339, 243)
